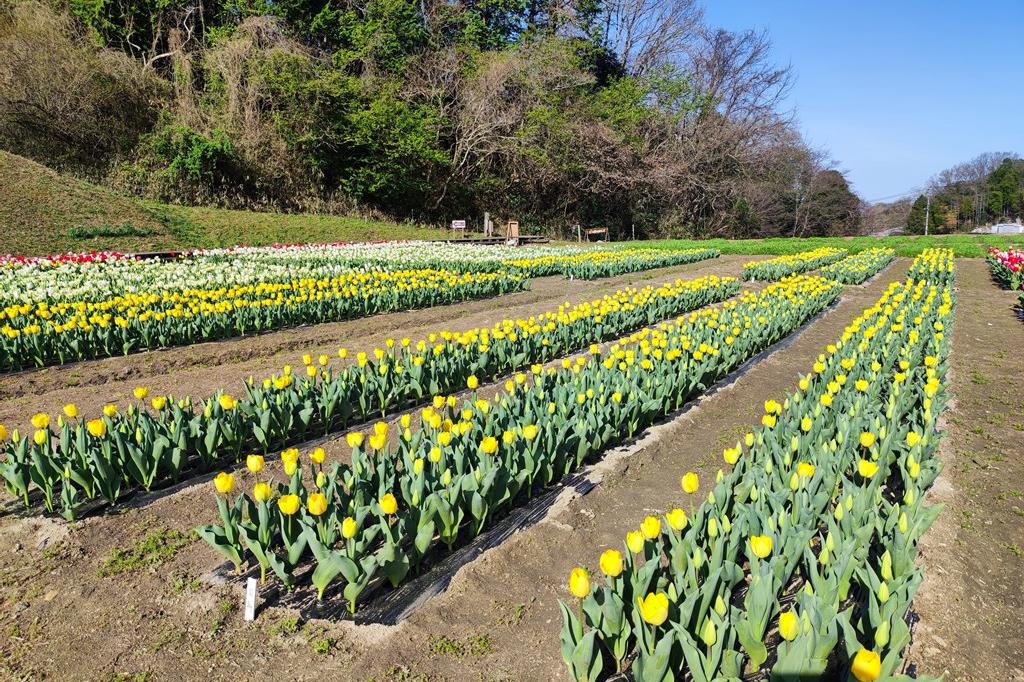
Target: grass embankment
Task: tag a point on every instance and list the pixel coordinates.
(44, 212)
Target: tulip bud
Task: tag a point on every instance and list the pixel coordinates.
(883, 593)
(882, 635)
(709, 633)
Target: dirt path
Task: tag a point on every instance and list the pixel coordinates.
(498, 620)
(971, 601)
(201, 369)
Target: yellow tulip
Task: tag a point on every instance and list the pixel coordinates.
(41, 436)
(709, 633)
(654, 608)
(761, 545)
(159, 402)
(805, 424)
(354, 439)
(290, 455)
(224, 482)
(768, 421)
(913, 438)
(318, 455)
(71, 410)
(40, 420)
(435, 454)
(110, 410)
(254, 463)
(489, 445)
(3, 432)
(635, 541)
(651, 527)
(676, 519)
(579, 582)
(611, 563)
(140, 392)
(805, 469)
(472, 382)
(417, 466)
(349, 528)
(690, 483)
(789, 625)
(866, 468)
(530, 432)
(261, 492)
(378, 441)
(317, 504)
(288, 504)
(388, 504)
(867, 439)
(867, 666)
(731, 455)
(96, 427)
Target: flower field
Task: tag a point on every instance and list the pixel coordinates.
(782, 266)
(54, 311)
(806, 545)
(467, 461)
(83, 458)
(666, 475)
(1007, 267)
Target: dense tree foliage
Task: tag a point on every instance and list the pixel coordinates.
(982, 191)
(628, 113)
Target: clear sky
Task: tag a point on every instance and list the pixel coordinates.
(896, 91)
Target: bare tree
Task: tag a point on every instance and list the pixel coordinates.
(646, 34)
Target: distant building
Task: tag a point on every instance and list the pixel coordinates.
(1001, 228)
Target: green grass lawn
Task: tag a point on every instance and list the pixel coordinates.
(963, 245)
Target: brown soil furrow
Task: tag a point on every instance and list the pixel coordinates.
(971, 600)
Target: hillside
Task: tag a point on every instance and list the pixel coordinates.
(42, 211)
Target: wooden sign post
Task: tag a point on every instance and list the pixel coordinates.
(512, 233)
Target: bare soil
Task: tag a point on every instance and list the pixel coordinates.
(972, 598)
(201, 369)
(61, 619)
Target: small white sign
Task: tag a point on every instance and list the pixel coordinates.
(458, 224)
(250, 599)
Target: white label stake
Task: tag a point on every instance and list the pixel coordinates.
(250, 599)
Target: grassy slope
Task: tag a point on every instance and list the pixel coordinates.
(40, 210)
(963, 245)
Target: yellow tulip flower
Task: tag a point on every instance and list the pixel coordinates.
(354, 439)
(254, 463)
(71, 410)
(288, 504)
(866, 468)
(224, 482)
(158, 403)
(41, 436)
(317, 504)
(867, 439)
(653, 608)
(530, 432)
(867, 666)
(40, 420)
(913, 438)
(140, 392)
(676, 519)
(761, 545)
(579, 582)
(489, 445)
(349, 528)
(472, 382)
(650, 527)
(789, 625)
(690, 483)
(635, 541)
(96, 427)
(805, 469)
(318, 455)
(110, 410)
(388, 504)
(731, 455)
(611, 563)
(261, 492)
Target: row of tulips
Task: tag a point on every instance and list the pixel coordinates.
(933, 265)
(776, 268)
(464, 465)
(859, 267)
(43, 334)
(1007, 267)
(800, 562)
(82, 459)
(596, 264)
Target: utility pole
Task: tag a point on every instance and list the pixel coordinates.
(927, 211)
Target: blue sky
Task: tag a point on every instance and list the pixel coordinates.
(896, 91)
